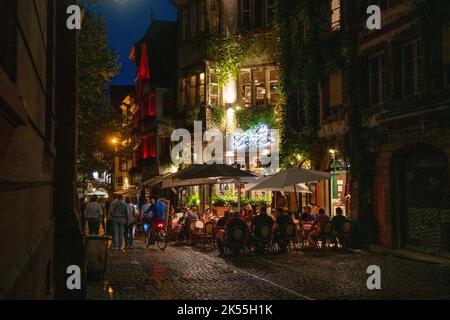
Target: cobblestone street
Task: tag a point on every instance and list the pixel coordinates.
(184, 273)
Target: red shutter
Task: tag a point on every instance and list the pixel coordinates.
(144, 69)
(145, 152)
(152, 146)
(151, 105)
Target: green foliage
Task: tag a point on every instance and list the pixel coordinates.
(307, 52)
(97, 67)
(193, 201)
(227, 54)
(247, 118)
(217, 114)
(228, 198)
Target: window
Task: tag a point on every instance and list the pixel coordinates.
(214, 90)
(8, 38)
(164, 149)
(257, 13)
(246, 17)
(270, 12)
(202, 88)
(246, 87)
(273, 85)
(193, 91)
(334, 94)
(193, 21)
(335, 15)
(376, 80)
(260, 86)
(412, 67)
(213, 16)
(148, 147)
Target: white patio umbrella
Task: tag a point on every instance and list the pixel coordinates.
(290, 178)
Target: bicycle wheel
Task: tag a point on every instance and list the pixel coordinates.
(162, 239)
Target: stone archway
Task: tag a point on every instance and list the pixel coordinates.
(421, 192)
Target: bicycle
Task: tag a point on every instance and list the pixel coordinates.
(156, 233)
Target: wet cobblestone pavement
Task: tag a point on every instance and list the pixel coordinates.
(184, 273)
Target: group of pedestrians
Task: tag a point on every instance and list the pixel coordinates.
(119, 221)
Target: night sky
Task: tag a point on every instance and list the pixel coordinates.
(127, 22)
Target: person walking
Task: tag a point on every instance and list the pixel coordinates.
(129, 224)
(93, 214)
(119, 212)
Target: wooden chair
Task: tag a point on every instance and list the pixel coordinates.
(263, 243)
(346, 228)
(192, 235)
(286, 236)
(235, 239)
(207, 236)
(326, 233)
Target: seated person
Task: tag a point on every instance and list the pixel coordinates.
(185, 222)
(261, 219)
(282, 219)
(317, 226)
(307, 215)
(249, 218)
(338, 222)
(220, 227)
(234, 221)
(208, 215)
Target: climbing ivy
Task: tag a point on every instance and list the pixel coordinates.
(226, 54)
(247, 118)
(307, 52)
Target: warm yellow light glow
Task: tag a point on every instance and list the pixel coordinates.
(114, 141)
(229, 92)
(332, 152)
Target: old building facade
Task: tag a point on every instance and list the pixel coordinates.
(387, 110)
(154, 119)
(37, 168)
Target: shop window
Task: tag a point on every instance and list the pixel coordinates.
(193, 91)
(214, 90)
(335, 14)
(376, 80)
(260, 86)
(202, 88)
(8, 38)
(246, 88)
(213, 16)
(273, 85)
(412, 67)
